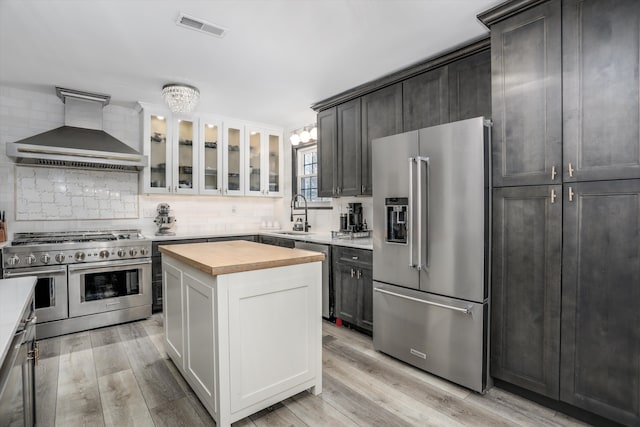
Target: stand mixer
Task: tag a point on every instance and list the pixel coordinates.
(164, 221)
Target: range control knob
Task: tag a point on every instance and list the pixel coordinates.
(14, 260)
(144, 251)
(31, 259)
(133, 252)
(104, 254)
(60, 257)
(45, 258)
(121, 252)
(80, 256)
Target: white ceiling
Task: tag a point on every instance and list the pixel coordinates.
(279, 56)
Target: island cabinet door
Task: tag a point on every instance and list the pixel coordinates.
(200, 355)
(274, 332)
(173, 321)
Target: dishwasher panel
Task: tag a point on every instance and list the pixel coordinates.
(327, 301)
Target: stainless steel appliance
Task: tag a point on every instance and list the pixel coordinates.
(327, 289)
(86, 279)
(17, 375)
(431, 249)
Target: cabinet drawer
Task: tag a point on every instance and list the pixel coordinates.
(344, 254)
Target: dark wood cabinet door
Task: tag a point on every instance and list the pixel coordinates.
(525, 287)
(600, 364)
(345, 286)
(349, 148)
(425, 100)
(381, 116)
(365, 315)
(526, 75)
(601, 61)
(327, 145)
(470, 87)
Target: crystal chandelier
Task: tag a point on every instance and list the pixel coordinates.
(180, 98)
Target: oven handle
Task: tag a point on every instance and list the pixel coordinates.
(9, 273)
(108, 264)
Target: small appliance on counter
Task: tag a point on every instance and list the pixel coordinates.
(164, 220)
(352, 224)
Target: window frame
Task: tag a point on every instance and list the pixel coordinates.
(296, 156)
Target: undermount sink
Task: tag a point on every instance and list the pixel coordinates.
(293, 233)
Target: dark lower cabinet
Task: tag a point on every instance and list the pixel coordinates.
(353, 286)
(600, 346)
(425, 100)
(601, 106)
(525, 288)
(278, 241)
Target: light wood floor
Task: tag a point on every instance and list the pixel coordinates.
(121, 376)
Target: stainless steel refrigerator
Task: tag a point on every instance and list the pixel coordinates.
(431, 247)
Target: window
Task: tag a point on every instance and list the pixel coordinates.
(307, 173)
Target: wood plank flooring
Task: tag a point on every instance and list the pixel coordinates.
(121, 376)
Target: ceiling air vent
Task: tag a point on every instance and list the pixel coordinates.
(192, 23)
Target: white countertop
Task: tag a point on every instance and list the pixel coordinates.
(15, 296)
(312, 237)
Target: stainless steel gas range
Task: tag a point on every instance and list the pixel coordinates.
(86, 279)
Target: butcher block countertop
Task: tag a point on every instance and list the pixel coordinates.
(236, 256)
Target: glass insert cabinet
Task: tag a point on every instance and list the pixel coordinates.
(204, 154)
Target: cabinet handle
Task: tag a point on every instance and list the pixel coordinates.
(553, 196)
(353, 273)
(359, 274)
(175, 189)
(571, 170)
(354, 257)
(571, 194)
(553, 173)
(362, 189)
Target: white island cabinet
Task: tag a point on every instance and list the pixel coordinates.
(243, 323)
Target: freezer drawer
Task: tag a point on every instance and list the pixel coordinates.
(443, 336)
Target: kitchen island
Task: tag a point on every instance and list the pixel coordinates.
(243, 323)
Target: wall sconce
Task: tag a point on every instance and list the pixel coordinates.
(304, 135)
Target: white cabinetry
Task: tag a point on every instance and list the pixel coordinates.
(204, 154)
(225, 334)
(170, 143)
(263, 162)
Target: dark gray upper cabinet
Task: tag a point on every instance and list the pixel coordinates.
(470, 87)
(600, 346)
(425, 100)
(327, 145)
(526, 62)
(381, 116)
(349, 148)
(525, 288)
(601, 57)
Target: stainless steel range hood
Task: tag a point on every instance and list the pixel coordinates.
(81, 142)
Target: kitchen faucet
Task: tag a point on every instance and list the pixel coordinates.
(297, 227)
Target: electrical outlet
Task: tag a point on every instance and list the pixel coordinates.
(234, 210)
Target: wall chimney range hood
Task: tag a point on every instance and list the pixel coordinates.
(81, 142)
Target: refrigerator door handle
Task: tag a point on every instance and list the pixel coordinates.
(409, 218)
(466, 310)
(423, 263)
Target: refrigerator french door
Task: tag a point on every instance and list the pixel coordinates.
(431, 248)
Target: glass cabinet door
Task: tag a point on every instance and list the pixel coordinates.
(254, 163)
(210, 157)
(274, 163)
(159, 173)
(186, 156)
(233, 159)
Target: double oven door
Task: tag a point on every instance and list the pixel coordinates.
(100, 287)
(50, 292)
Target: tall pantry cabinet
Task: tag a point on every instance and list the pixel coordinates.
(566, 228)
